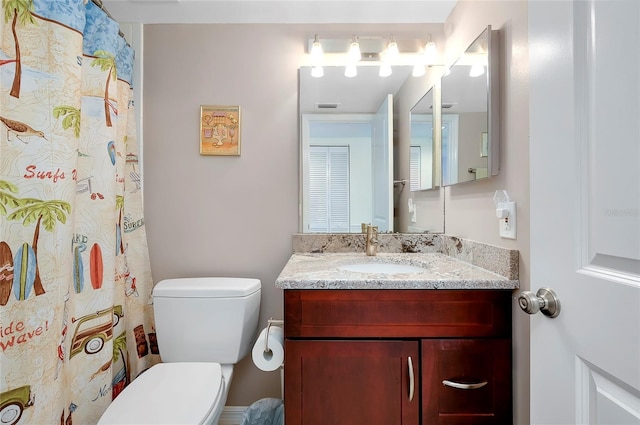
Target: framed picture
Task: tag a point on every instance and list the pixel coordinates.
(484, 145)
(220, 130)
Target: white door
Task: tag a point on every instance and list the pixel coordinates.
(382, 161)
(585, 210)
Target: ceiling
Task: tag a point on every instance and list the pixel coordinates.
(283, 11)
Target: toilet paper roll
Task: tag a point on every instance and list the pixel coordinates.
(273, 358)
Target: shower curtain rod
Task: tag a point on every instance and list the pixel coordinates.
(101, 6)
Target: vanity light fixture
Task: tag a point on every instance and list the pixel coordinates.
(369, 50)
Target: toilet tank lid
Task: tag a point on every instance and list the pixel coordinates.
(206, 287)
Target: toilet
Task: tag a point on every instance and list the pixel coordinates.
(204, 326)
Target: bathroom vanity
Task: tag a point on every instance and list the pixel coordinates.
(429, 344)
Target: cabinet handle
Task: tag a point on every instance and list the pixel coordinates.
(411, 378)
(464, 386)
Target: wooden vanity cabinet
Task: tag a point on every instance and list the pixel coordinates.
(392, 357)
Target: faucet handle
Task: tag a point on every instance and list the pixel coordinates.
(372, 240)
(372, 233)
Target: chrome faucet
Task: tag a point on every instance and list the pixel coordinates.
(372, 240)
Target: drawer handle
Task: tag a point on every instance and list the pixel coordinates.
(464, 386)
(411, 378)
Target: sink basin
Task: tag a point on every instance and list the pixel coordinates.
(381, 268)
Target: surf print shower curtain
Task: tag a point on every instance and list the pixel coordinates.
(75, 283)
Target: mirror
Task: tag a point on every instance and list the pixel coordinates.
(346, 134)
(469, 105)
(422, 156)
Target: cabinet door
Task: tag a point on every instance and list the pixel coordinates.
(466, 381)
(351, 382)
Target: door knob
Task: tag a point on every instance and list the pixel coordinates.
(545, 300)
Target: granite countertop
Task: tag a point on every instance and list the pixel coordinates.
(322, 271)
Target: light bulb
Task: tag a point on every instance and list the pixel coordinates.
(385, 70)
(476, 70)
(317, 71)
(350, 71)
(430, 53)
(316, 51)
(392, 50)
(354, 51)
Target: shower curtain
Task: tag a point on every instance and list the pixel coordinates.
(75, 283)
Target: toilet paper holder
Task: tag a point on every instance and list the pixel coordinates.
(270, 322)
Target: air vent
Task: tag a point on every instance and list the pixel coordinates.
(327, 105)
(447, 105)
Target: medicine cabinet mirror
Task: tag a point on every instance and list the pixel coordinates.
(469, 104)
(423, 159)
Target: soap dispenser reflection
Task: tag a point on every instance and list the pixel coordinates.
(372, 240)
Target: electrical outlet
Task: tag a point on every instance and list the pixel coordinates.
(508, 221)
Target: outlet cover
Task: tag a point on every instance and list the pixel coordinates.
(508, 224)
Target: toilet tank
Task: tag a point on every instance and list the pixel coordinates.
(208, 319)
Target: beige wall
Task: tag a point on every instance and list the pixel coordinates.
(470, 212)
(222, 216)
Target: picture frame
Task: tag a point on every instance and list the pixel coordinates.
(484, 145)
(220, 130)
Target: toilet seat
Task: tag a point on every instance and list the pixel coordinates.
(169, 393)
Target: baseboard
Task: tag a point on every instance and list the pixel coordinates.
(232, 415)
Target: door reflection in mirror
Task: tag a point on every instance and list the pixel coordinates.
(337, 172)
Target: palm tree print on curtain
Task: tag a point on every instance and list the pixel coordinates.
(74, 271)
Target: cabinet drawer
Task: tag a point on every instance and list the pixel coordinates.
(466, 381)
(397, 313)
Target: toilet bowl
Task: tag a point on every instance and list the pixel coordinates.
(204, 326)
(171, 393)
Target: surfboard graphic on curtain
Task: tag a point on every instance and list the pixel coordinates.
(6, 272)
(25, 272)
(95, 266)
(78, 269)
